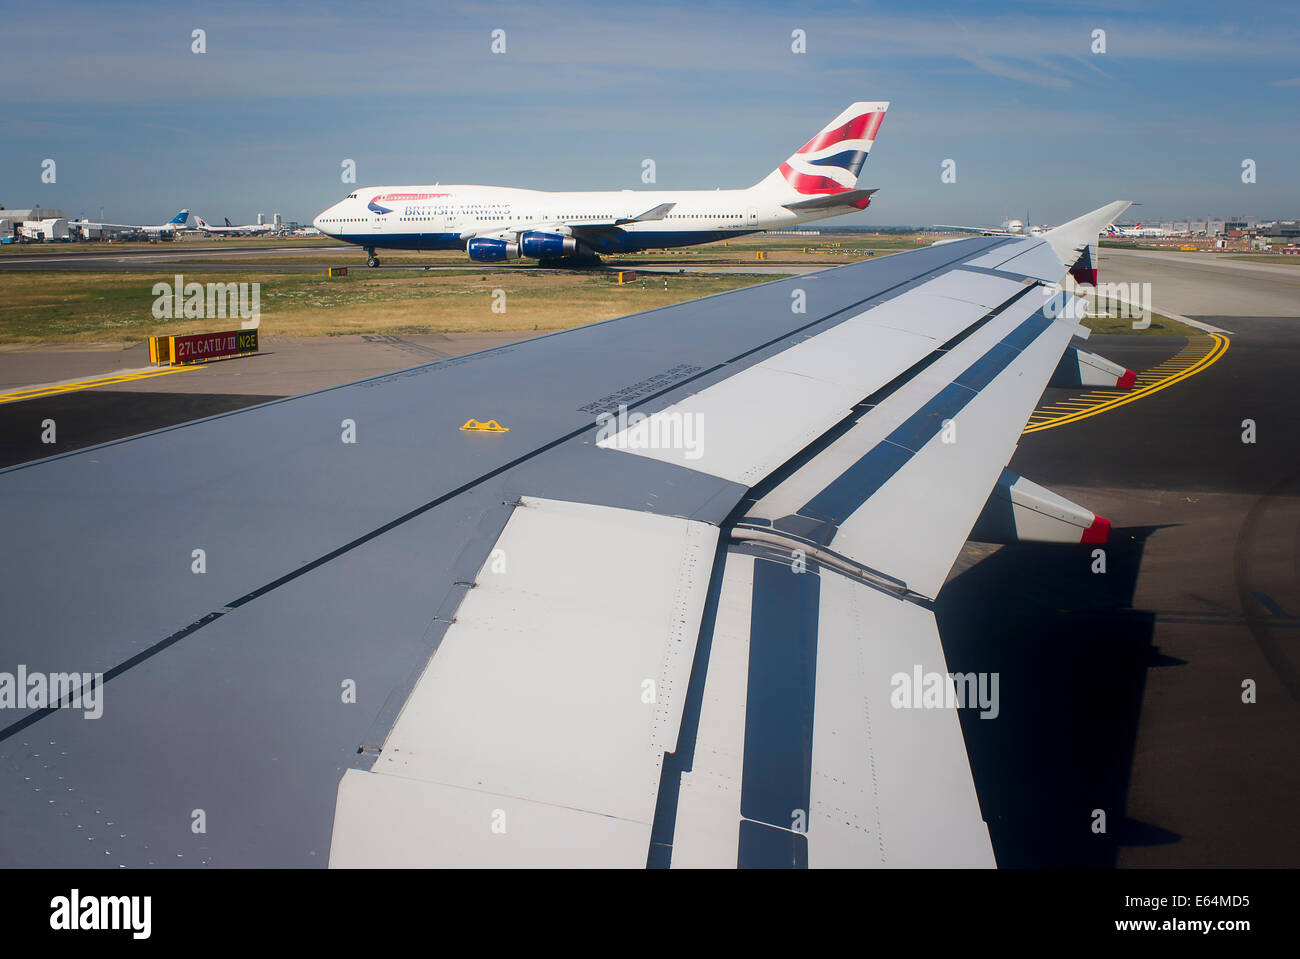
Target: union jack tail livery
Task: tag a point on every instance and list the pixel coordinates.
(830, 162)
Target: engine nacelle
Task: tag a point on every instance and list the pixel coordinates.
(483, 249)
(538, 245)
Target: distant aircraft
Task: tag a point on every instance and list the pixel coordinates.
(1008, 228)
(492, 224)
(170, 227)
(250, 229)
(1124, 231)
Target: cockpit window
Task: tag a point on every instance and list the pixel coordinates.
(352, 196)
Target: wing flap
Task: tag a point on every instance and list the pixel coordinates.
(928, 454)
(758, 419)
(561, 682)
(805, 754)
(403, 824)
(891, 783)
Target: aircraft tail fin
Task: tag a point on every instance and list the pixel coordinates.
(832, 160)
(228, 223)
(179, 219)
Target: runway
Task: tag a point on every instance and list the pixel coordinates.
(150, 259)
(1207, 284)
(215, 259)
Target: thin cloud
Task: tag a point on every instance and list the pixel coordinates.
(1009, 71)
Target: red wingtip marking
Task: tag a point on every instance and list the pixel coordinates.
(1083, 275)
(1098, 532)
(1127, 380)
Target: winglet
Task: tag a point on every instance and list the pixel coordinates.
(1075, 243)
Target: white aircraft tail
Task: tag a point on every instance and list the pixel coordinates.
(830, 162)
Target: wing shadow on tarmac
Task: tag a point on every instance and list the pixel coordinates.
(1072, 656)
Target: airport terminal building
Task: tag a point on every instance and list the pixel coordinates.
(34, 224)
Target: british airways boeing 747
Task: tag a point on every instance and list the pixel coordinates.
(493, 224)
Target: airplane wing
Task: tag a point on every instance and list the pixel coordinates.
(112, 226)
(659, 621)
(654, 213)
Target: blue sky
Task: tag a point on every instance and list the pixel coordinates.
(1034, 120)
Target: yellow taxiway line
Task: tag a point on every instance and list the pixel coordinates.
(54, 389)
(1067, 411)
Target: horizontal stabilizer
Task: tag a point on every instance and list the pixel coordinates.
(855, 198)
(1019, 511)
(1080, 368)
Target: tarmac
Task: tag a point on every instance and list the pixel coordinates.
(1208, 284)
(1124, 689)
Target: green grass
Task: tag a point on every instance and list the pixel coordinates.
(1160, 326)
(1289, 260)
(54, 307)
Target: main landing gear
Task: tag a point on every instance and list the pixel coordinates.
(372, 261)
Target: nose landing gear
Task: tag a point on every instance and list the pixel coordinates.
(372, 261)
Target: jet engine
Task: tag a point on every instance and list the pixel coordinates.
(484, 249)
(538, 245)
